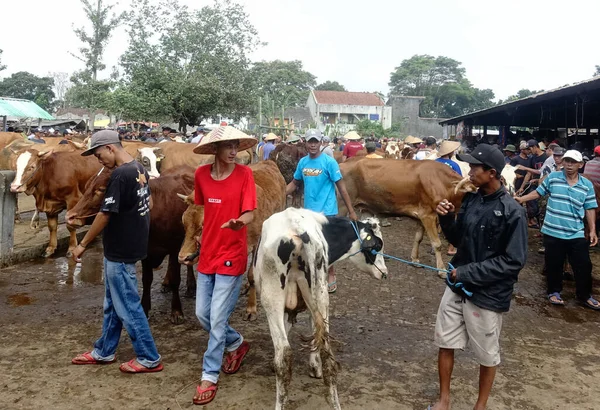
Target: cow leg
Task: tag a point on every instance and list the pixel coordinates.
(175, 274)
(190, 283)
(35, 220)
(430, 225)
(251, 310)
(52, 227)
(165, 287)
(414, 255)
(327, 365)
(273, 301)
(72, 240)
(147, 278)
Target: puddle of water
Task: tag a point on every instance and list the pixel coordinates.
(20, 299)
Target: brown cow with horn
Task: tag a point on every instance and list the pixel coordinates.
(270, 195)
(408, 188)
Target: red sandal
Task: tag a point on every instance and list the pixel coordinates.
(89, 359)
(140, 368)
(213, 388)
(236, 356)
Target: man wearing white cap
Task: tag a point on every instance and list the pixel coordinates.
(571, 199)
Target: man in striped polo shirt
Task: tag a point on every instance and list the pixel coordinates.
(571, 198)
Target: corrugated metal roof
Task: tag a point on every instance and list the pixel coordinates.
(15, 107)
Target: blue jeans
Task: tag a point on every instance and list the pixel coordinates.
(122, 307)
(216, 297)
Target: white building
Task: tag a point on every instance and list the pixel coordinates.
(341, 110)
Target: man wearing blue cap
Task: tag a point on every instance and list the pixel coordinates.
(490, 235)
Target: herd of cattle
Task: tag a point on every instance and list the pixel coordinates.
(291, 248)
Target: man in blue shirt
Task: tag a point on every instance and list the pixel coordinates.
(320, 174)
(445, 154)
(268, 146)
(571, 199)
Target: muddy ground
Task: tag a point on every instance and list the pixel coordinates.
(51, 310)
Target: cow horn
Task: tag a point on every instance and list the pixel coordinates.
(182, 197)
(460, 184)
(42, 153)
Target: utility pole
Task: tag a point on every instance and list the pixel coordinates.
(260, 113)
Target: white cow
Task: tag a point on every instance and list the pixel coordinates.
(392, 149)
(295, 250)
(509, 176)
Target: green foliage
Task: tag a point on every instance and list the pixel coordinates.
(191, 64)
(596, 73)
(29, 87)
(283, 83)
(443, 83)
(87, 90)
(330, 86)
(2, 67)
(520, 94)
(366, 128)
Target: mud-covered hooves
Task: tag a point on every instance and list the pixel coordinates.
(69, 254)
(250, 317)
(177, 318)
(47, 254)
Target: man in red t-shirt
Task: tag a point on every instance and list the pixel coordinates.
(228, 194)
(352, 146)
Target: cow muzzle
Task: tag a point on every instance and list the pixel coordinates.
(17, 189)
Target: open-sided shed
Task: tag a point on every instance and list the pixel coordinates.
(18, 108)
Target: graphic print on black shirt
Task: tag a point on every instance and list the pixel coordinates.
(127, 199)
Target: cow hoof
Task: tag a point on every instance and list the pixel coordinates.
(177, 318)
(250, 316)
(48, 252)
(442, 275)
(315, 373)
(385, 223)
(69, 253)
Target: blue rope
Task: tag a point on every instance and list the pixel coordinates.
(458, 285)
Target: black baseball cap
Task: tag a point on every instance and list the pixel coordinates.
(484, 154)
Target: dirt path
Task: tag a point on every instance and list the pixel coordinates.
(51, 310)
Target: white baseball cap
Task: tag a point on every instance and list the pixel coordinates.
(574, 155)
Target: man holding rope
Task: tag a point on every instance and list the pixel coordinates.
(490, 235)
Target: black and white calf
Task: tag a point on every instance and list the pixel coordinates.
(290, 269)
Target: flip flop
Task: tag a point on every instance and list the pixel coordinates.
(558, 302)
(332, 287)
(89, 359)
(237, 356)
(591, 303)
(139, 368)
(200, 391)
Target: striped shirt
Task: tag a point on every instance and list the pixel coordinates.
(592, 170)
(566, 205)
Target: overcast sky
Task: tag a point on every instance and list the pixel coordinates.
(504, 45)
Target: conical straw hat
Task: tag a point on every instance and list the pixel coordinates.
(208, 144)
(352, 135)
(412, 140)
(271, 137)
(448, 147)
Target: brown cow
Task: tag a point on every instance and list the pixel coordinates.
(159, 157)
(410, 188)
(166, 229)
(56, 180)
(270, 195)
(287, 156)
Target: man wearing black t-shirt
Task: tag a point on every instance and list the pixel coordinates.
(125, 219)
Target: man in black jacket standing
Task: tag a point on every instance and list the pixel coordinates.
(490, 233)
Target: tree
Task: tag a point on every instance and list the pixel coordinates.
(596, 74)
(29, 87)
(282, 84)
(90, 92)
(2, 67)
(191, 64)
(443, 83)
(61, 85)
(330, 86)
(522, 93)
